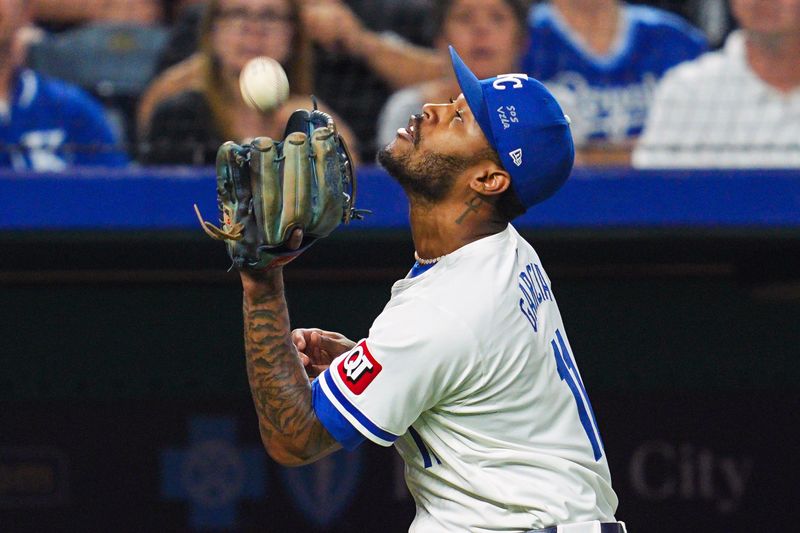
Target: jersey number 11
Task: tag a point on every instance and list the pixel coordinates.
(568, 372)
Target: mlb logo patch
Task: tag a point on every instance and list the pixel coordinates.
(358, 368)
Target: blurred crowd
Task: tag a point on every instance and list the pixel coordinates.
(658, 84)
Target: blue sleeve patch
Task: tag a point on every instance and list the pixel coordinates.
(336, 424)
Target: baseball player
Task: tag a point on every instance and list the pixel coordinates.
(468, 371)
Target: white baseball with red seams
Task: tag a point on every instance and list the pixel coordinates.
(263, 83)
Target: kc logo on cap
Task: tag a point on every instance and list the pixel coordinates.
(502, 80)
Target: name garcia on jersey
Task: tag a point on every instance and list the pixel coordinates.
(535, 290)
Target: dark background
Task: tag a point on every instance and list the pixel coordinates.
(115, 345)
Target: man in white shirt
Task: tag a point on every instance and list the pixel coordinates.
(468, 370)
(735, 108)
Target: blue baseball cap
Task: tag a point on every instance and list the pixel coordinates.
(525, 125)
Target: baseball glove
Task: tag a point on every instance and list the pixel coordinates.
(267, 189)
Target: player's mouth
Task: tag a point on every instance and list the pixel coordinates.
(410, 132)
(406, 134)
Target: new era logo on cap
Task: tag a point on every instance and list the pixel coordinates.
(516, 113)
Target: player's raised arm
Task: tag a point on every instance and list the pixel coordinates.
(276, 199)
(281, 392)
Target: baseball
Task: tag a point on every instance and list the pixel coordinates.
(263, 83)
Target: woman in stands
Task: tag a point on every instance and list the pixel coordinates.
(202, 106)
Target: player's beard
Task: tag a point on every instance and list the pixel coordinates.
(428, 177)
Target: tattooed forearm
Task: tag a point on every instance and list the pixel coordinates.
(281, 392)
(472, 207)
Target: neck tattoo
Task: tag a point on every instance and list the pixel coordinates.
(472, 207)
(422, 261)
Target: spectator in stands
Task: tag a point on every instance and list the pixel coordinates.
(602, 59)
(737, 107)
(188, 127)
(490, 36)
(45, 124)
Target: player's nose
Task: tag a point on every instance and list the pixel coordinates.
(434, 112)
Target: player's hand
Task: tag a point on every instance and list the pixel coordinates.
(317, 348)
(260, 282)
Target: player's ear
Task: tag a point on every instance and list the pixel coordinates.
(490, 180)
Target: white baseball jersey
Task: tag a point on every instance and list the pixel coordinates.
(469, 373)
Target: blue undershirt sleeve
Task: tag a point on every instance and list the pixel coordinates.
(336, 424)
